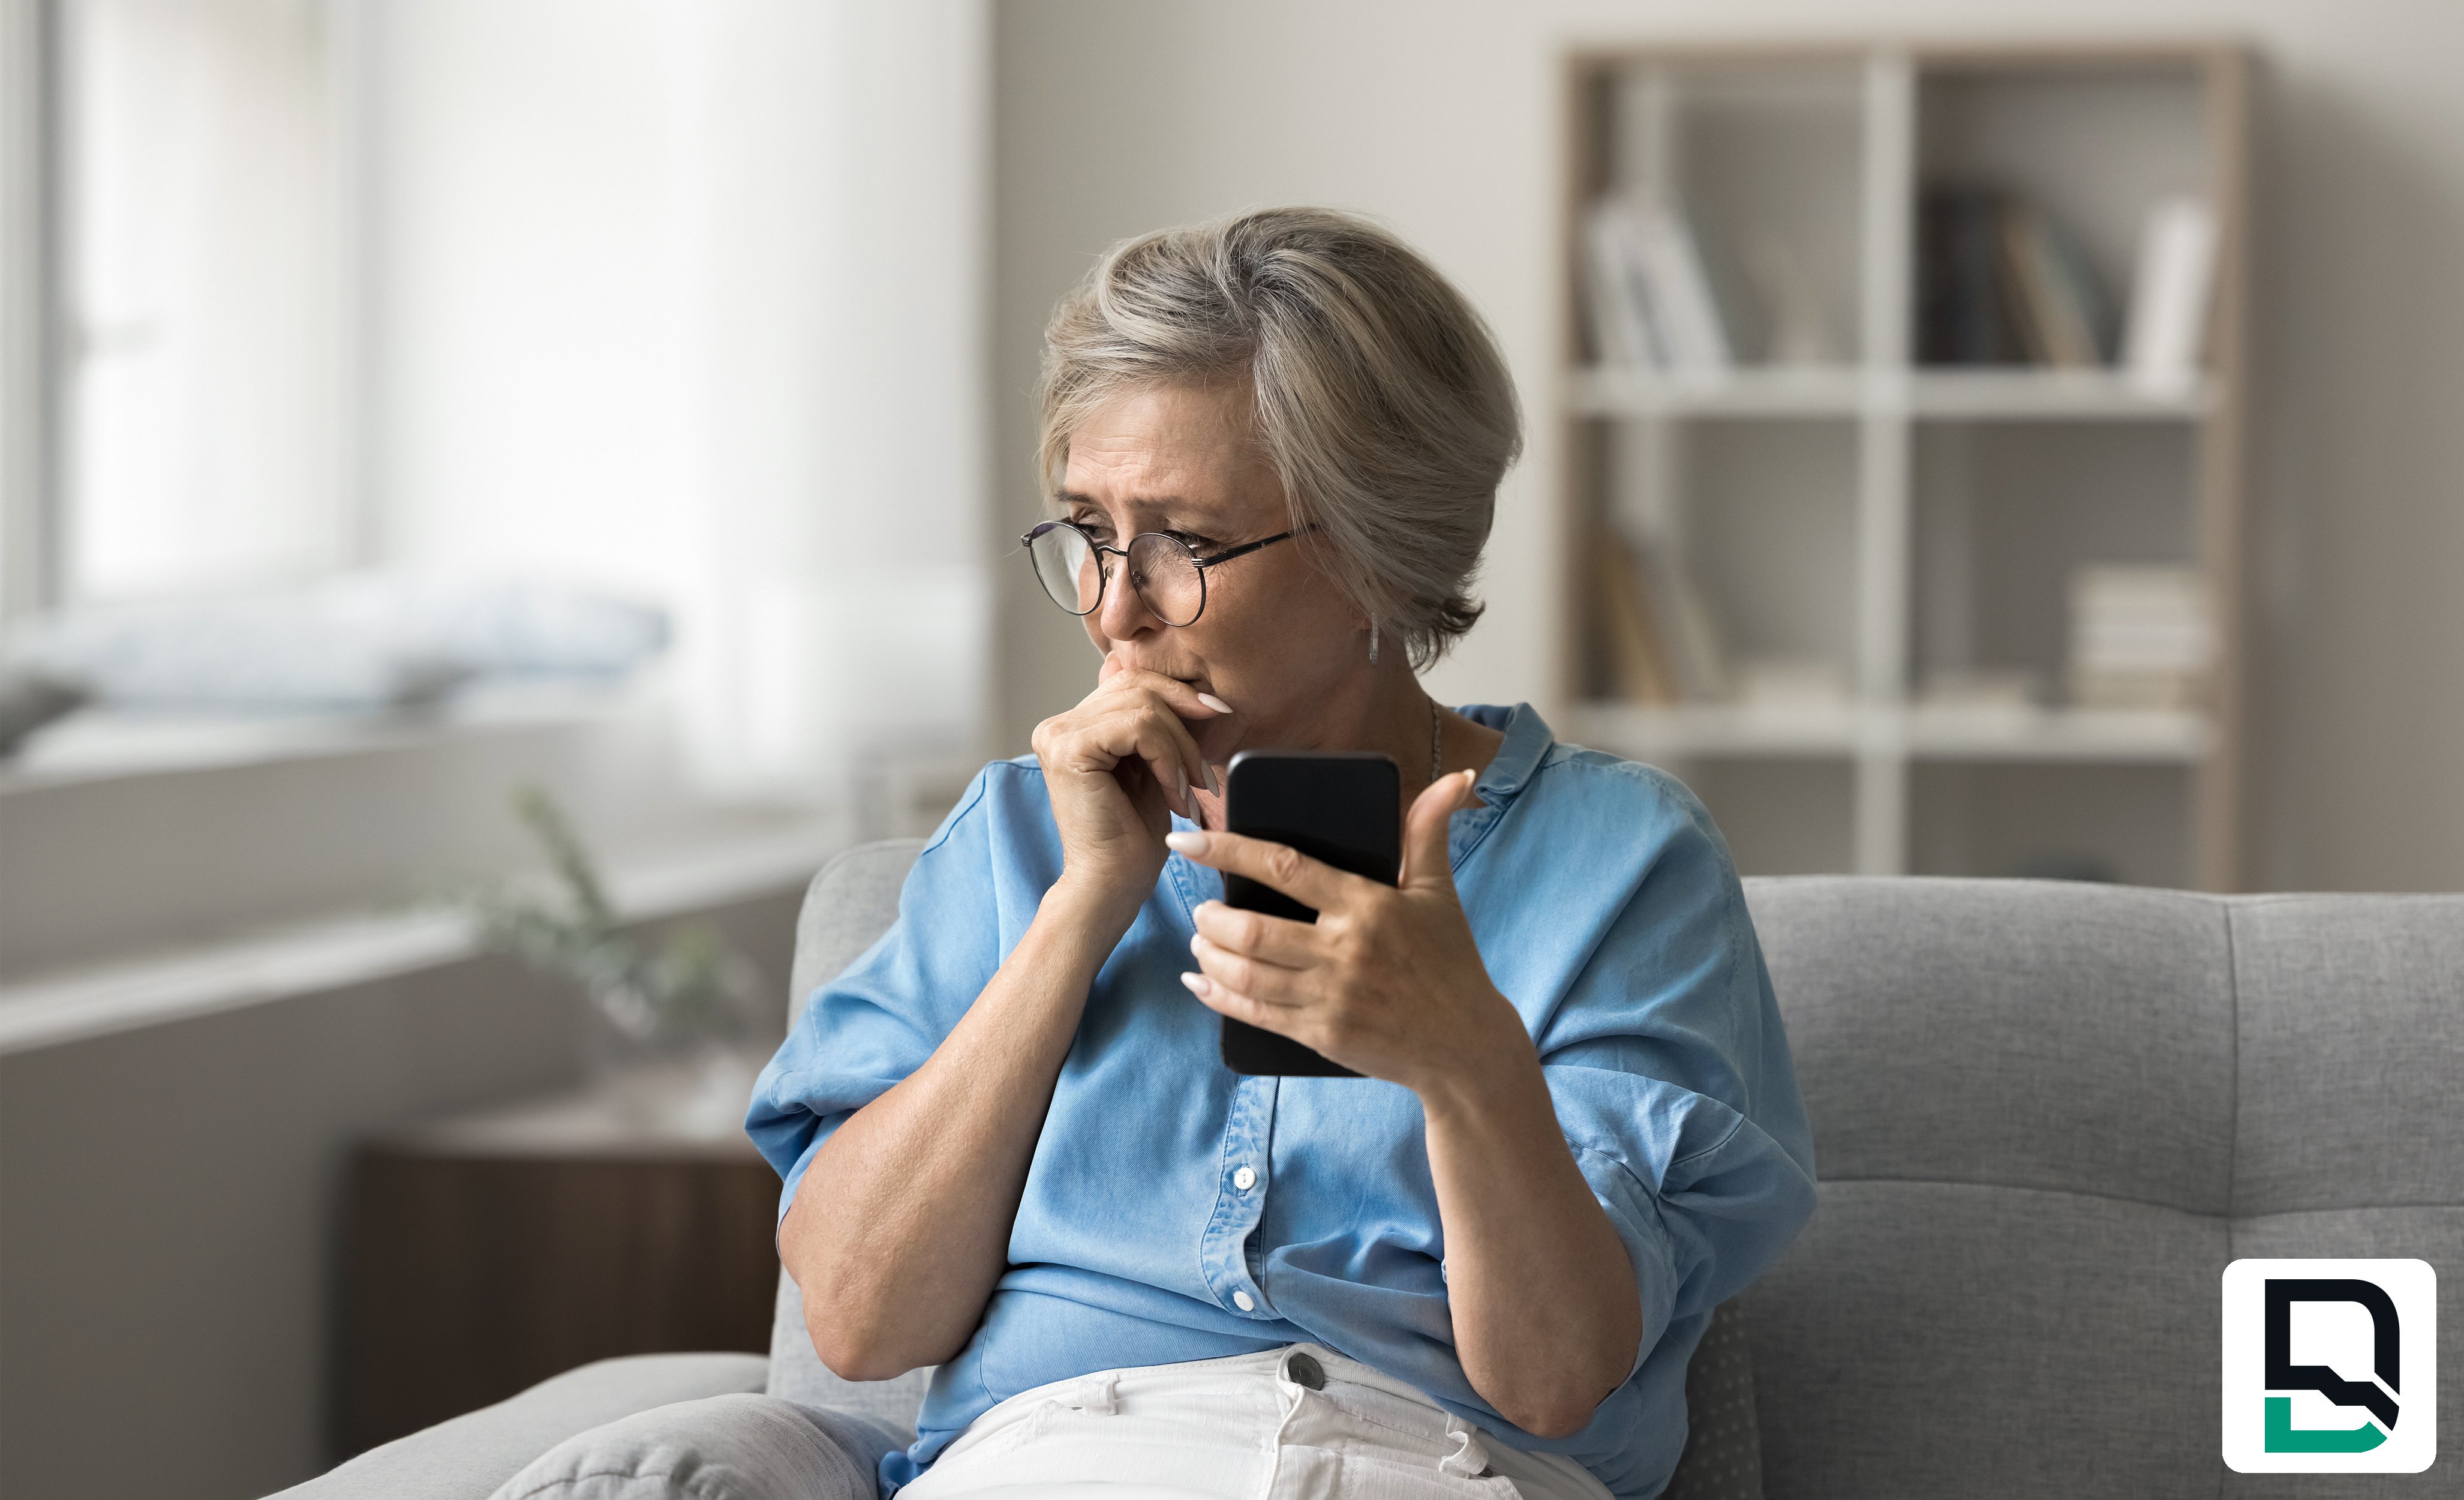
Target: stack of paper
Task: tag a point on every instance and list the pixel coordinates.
(2141, 637)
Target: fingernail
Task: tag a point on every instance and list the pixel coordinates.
(1215, 703)
(1215, 779)
(1198, 983)
(1195, 938)
(1185, 843)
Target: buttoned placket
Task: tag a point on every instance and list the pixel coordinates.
(1228, 1253)
(1242, 1178)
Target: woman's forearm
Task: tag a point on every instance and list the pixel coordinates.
(1545, 1316)
(901, 1225)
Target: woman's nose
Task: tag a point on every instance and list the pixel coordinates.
(1124, 612)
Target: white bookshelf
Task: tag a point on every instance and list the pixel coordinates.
(2012, 395)
(1888, 520)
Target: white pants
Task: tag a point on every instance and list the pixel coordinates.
(1294, 1424)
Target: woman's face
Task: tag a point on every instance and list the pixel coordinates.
(1277, 640)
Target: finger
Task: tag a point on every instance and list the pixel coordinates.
(1280, 1020)
(1175, 700)
(1279, 866)
(1426, 829)
(1185, 699)
(1277, 940)
(1266, 982)
(1163, 742)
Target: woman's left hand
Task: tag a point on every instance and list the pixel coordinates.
(1388, 980)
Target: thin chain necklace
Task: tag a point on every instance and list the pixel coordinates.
(1436, 759)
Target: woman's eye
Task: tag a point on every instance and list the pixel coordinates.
(1192, 540)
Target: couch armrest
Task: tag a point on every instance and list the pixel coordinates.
(467, 1458)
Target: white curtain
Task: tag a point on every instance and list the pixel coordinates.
(686, 298)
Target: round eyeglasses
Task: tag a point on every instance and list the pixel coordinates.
(1169, 575)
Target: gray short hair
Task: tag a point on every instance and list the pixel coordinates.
(1379, 396)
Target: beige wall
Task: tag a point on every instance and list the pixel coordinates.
(1439, 116)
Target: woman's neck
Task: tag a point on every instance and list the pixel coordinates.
(1382, 709)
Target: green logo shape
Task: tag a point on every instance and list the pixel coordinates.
(2284, 1437)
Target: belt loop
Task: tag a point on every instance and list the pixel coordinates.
(1469, 1458)
(1098, 1395)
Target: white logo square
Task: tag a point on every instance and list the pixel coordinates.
(2330, 1367)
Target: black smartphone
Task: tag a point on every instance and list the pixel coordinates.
(1343, 809)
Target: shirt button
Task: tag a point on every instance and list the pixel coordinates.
(1244, 1179)
(1245, 1302)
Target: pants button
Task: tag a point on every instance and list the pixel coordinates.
(1304, 1371)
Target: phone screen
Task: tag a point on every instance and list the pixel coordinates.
(1344, 809)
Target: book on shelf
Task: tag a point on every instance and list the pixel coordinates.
(2169, 292)
(2057, 302)
(1620, 317)
(2141, 637)
(1636, 663)
(1663, 646)
(1652, 297)
(2001, 281)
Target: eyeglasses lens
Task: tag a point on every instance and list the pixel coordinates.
(1066, 567)
(1168, 578)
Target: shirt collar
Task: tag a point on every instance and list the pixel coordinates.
(1527, 740)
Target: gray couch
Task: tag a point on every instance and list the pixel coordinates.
(2046, 1117)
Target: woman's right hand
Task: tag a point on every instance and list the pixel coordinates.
(1117, 766)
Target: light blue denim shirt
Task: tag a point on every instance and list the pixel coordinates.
(1605, 908)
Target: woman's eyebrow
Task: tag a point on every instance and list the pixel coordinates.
(1152, 504)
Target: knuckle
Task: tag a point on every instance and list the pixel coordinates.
(1283, 862)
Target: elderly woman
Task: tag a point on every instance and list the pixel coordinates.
(1010, 1148)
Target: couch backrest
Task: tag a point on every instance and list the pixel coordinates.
(849, 905)
(2045, 1118)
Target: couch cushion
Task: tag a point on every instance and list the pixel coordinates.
(470, 1456)
(2021, 1095)
(1723, 1442)
(2029, 1033)
(2045, 1118)
(723, 1448)
(2352, 1024)
(1961, 1338)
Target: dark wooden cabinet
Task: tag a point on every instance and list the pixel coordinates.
(485, 1254)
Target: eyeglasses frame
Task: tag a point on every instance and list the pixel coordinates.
(1104, 575)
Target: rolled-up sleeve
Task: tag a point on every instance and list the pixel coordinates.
(876, 1023)
(1671, 1077)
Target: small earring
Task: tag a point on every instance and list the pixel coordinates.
(1373, 640)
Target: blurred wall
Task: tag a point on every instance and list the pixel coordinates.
(1441, 118)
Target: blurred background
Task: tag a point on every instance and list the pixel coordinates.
(494, 492)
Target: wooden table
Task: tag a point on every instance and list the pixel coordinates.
(487, 1252)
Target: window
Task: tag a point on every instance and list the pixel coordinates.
(197, 347)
